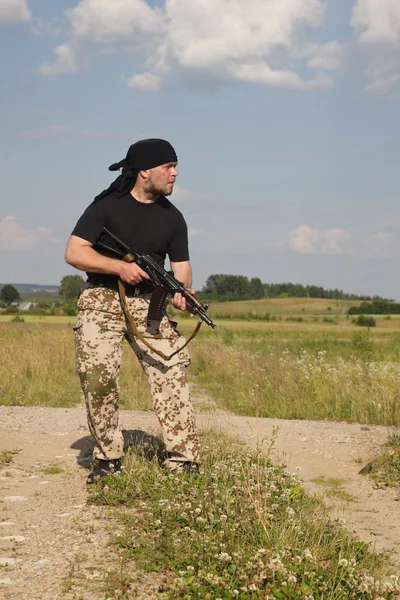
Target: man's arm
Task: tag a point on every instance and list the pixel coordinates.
(81, 255)
(183, 272)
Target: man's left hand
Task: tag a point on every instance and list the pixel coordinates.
(179, 302)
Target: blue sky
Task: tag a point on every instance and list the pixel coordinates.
(284, 115)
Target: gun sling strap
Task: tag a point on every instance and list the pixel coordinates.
(156, 303)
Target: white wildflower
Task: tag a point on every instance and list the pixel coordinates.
(224, 557)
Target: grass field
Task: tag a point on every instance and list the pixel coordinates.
(40, 319)
(283, 369)
(285, 306)
(269, 369)
(245, 529)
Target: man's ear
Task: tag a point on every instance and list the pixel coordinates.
(144, 174)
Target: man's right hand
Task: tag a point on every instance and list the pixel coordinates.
(131, 273)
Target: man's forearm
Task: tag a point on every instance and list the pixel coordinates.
(87, 259)
(183, 272)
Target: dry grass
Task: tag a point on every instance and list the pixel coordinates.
(37, 368)
(285, 306)
(302, 376)
(284, 370)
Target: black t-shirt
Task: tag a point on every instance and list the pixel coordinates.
(157, 228)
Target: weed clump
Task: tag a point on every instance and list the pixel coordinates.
(386, 467)
(243, 529)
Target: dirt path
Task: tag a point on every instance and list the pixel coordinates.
(52, 545)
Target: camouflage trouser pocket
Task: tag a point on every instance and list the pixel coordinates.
(79, 362)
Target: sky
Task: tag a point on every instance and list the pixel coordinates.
(285, 115)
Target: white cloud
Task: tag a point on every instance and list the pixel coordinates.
(182, 195)
(66, 63)
(385, 85)
(50, 27)
(13, 236)
(306, 240)
(104, 134)
(195, 233)
(377, 23)
(14, 11)
(43, 133)
(146, 82)
(263, 74)
(105, 21)
(381, 244)
(326, 57)
(257, 41)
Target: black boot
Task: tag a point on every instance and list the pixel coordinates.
(102, 468)
(188, 467)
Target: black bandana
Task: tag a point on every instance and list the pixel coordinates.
(145, 154)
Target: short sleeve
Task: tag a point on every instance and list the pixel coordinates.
(91, 223)
(179, 245)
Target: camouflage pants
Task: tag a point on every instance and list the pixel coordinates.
(99, 334)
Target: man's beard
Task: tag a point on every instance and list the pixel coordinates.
(153, 190)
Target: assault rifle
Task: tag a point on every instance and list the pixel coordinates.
(164, 281)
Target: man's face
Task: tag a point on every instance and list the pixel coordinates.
(161, 179)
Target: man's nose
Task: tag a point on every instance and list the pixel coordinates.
(174, 172)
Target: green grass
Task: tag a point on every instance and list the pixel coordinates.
(243, 529)
(386, 466)
(333, 488)
(7, 456)
(52, 470)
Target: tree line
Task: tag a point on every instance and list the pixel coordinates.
(376, 307)
(224, 288)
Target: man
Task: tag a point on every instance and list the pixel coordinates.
(136, 210)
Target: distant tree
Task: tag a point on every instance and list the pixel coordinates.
(9, 294)
(235, 286)
(256, 288)
(366, 308)
(365, 321)
(71, 286)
